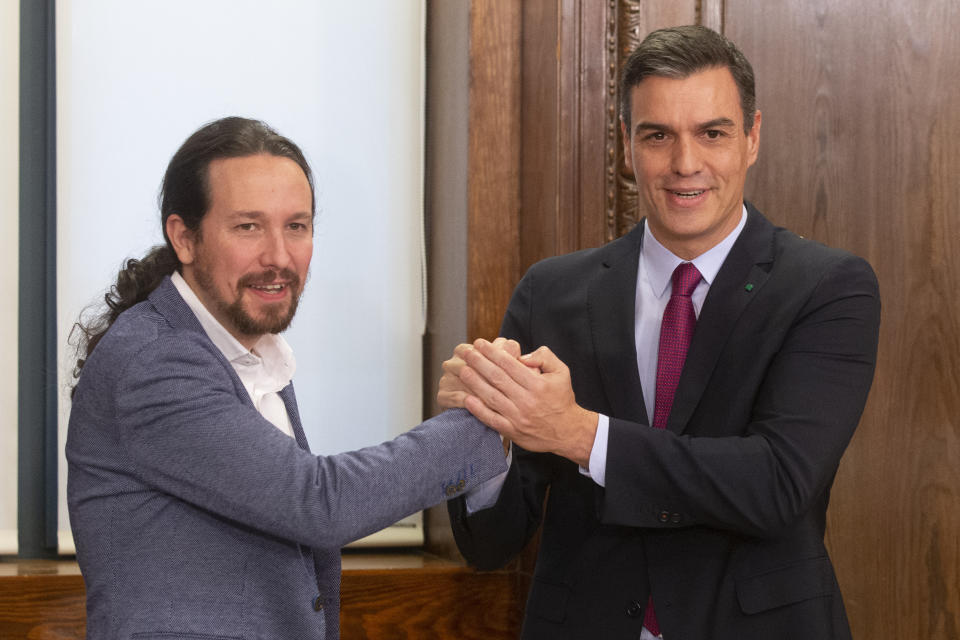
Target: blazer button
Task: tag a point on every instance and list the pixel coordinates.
(318, 604)
(451, 489)
(664, 516)
(634, 609)
(676, 518)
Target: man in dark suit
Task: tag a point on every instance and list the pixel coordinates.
(693, 388)
(197, 508)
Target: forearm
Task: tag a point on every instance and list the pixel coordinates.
(491, 537)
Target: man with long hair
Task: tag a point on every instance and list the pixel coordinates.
(197, 508)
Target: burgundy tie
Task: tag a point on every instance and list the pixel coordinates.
(676, 330)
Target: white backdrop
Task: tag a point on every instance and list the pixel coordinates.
(9, 263)
(342, 79)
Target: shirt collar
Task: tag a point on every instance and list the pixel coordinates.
(660, 262)
(271, 349)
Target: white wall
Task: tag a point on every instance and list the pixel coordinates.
(9, 266)
(344, 80)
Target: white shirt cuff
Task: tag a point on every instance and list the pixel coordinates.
(598, 454)
(486, 495)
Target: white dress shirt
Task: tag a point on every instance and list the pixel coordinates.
(654, 287)
(264, 371)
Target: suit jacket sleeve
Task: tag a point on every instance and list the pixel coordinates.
(491, 537)
(186, 433)
(759, 478)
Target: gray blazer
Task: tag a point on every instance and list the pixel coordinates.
(194, 517)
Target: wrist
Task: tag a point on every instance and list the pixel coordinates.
(584, 433)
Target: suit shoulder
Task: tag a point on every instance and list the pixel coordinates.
(804, 253)
(136, 333)
(584, 261)
(134, 328)
(816, 273)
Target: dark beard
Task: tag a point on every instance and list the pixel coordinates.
(276, 318)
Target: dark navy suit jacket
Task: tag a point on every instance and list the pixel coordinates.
(721, 514)
(194, 517)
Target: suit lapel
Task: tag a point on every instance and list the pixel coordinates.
(290, 402)
(167, 300)
(611, 300)
(738, 282)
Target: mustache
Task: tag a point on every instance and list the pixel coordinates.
(269, 277)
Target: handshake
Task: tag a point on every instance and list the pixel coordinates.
(527, 399)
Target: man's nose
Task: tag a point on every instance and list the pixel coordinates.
(275, 252)
(686, 160)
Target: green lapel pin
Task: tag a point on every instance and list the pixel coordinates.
(748, 288)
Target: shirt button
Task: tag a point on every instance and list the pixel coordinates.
(318, 604)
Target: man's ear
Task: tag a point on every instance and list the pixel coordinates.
(753, 139)
(627, 147)
(182, 238)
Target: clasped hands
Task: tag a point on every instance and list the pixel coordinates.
(528, 398)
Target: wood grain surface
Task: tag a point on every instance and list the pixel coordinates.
(493, 163)
(861, 109)
(861, 117)
(395, 596)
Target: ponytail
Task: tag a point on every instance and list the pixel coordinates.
(135, 281)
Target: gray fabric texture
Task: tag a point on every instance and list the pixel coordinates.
(194, 517)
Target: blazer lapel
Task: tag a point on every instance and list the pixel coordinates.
(611, 300)
(168, 302)
(290, 402)
(738, 282)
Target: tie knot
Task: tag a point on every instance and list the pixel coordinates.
(685, 279)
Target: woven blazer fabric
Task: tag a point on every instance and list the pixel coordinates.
(194, 517)
(722, 512)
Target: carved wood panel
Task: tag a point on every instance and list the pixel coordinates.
(634, 20)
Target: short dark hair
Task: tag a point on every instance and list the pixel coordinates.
(185, 192)
(679, 52)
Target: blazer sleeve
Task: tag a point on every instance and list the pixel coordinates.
(185, 432)
(764, 475)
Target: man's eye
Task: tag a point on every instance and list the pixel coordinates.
(246, 226)
(713, 134)
(657, 136)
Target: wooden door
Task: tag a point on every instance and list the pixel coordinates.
(860, 148)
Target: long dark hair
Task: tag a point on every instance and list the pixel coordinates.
(185, 192)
